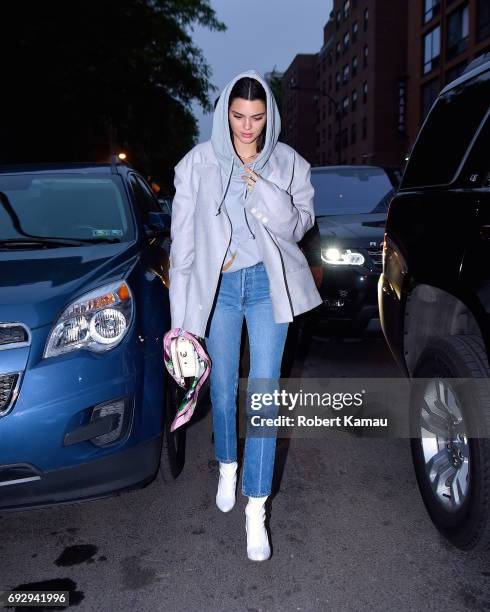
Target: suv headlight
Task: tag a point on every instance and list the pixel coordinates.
(96, 321)
(342, 257)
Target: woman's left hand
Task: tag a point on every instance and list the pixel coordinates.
(251, 178)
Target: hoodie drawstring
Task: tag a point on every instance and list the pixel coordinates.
(227, 185)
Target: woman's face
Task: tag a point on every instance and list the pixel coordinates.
(247, 119)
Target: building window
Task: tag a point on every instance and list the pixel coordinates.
(323, 135)
(364, 128)
(354, 65)
(457, 32)
(354, 100)
(365, 56)
(337, 50)
(337, 81)
(330, 59)
(431, 9)
(455, 71)
(366, 18)
(346, 41)
(345, 106)
(329, 82)
(364, 91)
(353, 134)
(339, 17)
(482, 20)
(345, 73)
(330, 131)
(355, 29)
(432, 49)
(346, 9)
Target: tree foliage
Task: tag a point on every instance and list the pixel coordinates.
(80, 74)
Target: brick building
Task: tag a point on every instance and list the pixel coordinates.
(361, 75)
(298, 106)
(443, 37)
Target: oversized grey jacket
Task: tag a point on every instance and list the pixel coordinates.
(201, 232)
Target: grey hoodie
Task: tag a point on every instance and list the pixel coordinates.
(232, 169)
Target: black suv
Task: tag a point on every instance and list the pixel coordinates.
(434, 299)
(351, 205)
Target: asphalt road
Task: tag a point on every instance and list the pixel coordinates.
(348, 530)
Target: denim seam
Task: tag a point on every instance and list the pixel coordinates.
(256, 494)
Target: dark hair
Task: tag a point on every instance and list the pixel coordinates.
(250, 89)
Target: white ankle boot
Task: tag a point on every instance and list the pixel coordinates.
(225, 497)
(258, 548)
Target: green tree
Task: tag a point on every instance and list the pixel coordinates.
(79, 75)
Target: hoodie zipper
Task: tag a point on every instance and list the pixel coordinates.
(283, 273)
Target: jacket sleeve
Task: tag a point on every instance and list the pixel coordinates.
(286, 215)
(182, 245)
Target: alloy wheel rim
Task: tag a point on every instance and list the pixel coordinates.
(445, 447)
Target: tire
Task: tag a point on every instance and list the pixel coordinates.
(172, 457)
(452, 468)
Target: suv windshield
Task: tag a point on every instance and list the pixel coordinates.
(82, 208)
(351, 191)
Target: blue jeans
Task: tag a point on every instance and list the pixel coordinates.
(242, 293)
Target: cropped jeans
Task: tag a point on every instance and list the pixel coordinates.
(243, 293)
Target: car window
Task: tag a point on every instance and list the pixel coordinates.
(145, 198)
(447, 133)
(351, 191)
(62, 205)
(476, 168)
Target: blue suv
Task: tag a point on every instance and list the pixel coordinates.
(85, 403)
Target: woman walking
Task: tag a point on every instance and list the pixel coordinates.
(243, 200)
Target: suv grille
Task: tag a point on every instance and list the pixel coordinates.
(8, 385)
(13, 333)
(376, 257)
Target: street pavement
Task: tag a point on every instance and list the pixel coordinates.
(347, 524)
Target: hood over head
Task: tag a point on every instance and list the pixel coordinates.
(221, 138)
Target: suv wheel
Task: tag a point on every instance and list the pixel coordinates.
(452, 468)
(173, 443)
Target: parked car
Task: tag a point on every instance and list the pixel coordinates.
(351, 204)
(85, 402)
(434, 299)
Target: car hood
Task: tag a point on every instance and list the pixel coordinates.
(353, 230)
(36, 285)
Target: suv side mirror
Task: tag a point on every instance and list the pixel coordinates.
(157, 225)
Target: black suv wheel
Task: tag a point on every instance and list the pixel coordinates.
(453, 468)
